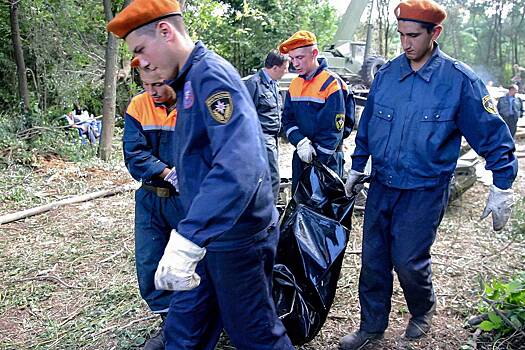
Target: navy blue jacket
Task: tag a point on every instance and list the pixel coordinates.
(267, 100)
(413, 122)
(220, 157)
(315, 108)
(148, 139)
(508, 109)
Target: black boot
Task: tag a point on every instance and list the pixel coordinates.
(156, 341)
(358, 340)
(420, 326)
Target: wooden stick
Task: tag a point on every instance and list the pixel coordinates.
(76, 199)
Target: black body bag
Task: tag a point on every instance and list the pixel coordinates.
(314, 233)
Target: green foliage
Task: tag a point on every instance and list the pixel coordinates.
(486, 35)
(21, 145)
(518, 220)
(245, 31)
(504, 304)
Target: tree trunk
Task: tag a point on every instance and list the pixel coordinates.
(110, 89)
(19, 54)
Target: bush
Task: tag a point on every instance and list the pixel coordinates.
(502, 311)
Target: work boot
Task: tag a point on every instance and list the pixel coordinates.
(358, 340)
(420, 326)
(156, 341)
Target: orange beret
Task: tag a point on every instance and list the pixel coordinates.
(426, 11)
(299, 39)
(135, 62)
(141, 12)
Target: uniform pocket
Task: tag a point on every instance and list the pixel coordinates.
(435, 145)
(379, 129)
(268, 100)
(144, 208)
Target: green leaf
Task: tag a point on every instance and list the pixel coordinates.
(486, 326)
(495, 319)
(516, 321)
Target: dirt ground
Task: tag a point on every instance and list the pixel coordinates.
(67, 277)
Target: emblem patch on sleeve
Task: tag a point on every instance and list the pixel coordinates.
(339, 121)
(220, 106)
(488, 104)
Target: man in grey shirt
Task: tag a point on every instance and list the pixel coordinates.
(264, 90)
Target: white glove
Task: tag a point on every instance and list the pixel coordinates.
(173, 179)
(353, 177)
(176, 270)
(305, 150)
(500, 204)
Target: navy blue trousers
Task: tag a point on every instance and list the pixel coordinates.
(335, 162)
(234, 295)
(272, 149)
(155, 217)
(399, 229)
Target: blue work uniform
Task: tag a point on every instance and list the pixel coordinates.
(315, 108)
(411, 127)
(227, 199)
(267, 100)
(148, 150)
(510, 108)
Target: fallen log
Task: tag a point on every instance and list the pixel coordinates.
(4, 219)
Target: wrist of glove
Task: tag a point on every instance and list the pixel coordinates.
(172, 178)
(176, 269)
(305, 150)
(353, 178)
(499, 203)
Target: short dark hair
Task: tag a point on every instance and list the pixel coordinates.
(429, 27)
(275, 58)
(149, 29)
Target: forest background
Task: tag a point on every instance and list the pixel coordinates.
(54, 54)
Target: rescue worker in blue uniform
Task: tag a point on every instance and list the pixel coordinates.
(510, 108)
(314, 108)
(220, 256)
(420, 105)
(264, 90)
(148, 144)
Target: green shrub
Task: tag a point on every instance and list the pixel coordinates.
(504, 305)
(518, 220)
(20, 144)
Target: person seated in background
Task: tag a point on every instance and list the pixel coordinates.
(88, 127)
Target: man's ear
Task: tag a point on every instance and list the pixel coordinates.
(315, 51)
(436, 32)
(165, 30)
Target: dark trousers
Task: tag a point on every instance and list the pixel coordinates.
(234, 294)
(399, 229)
(155, 217)
(272, 149)
(335, 162)
(512, 123)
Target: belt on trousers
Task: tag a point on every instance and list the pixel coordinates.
(161, 192)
